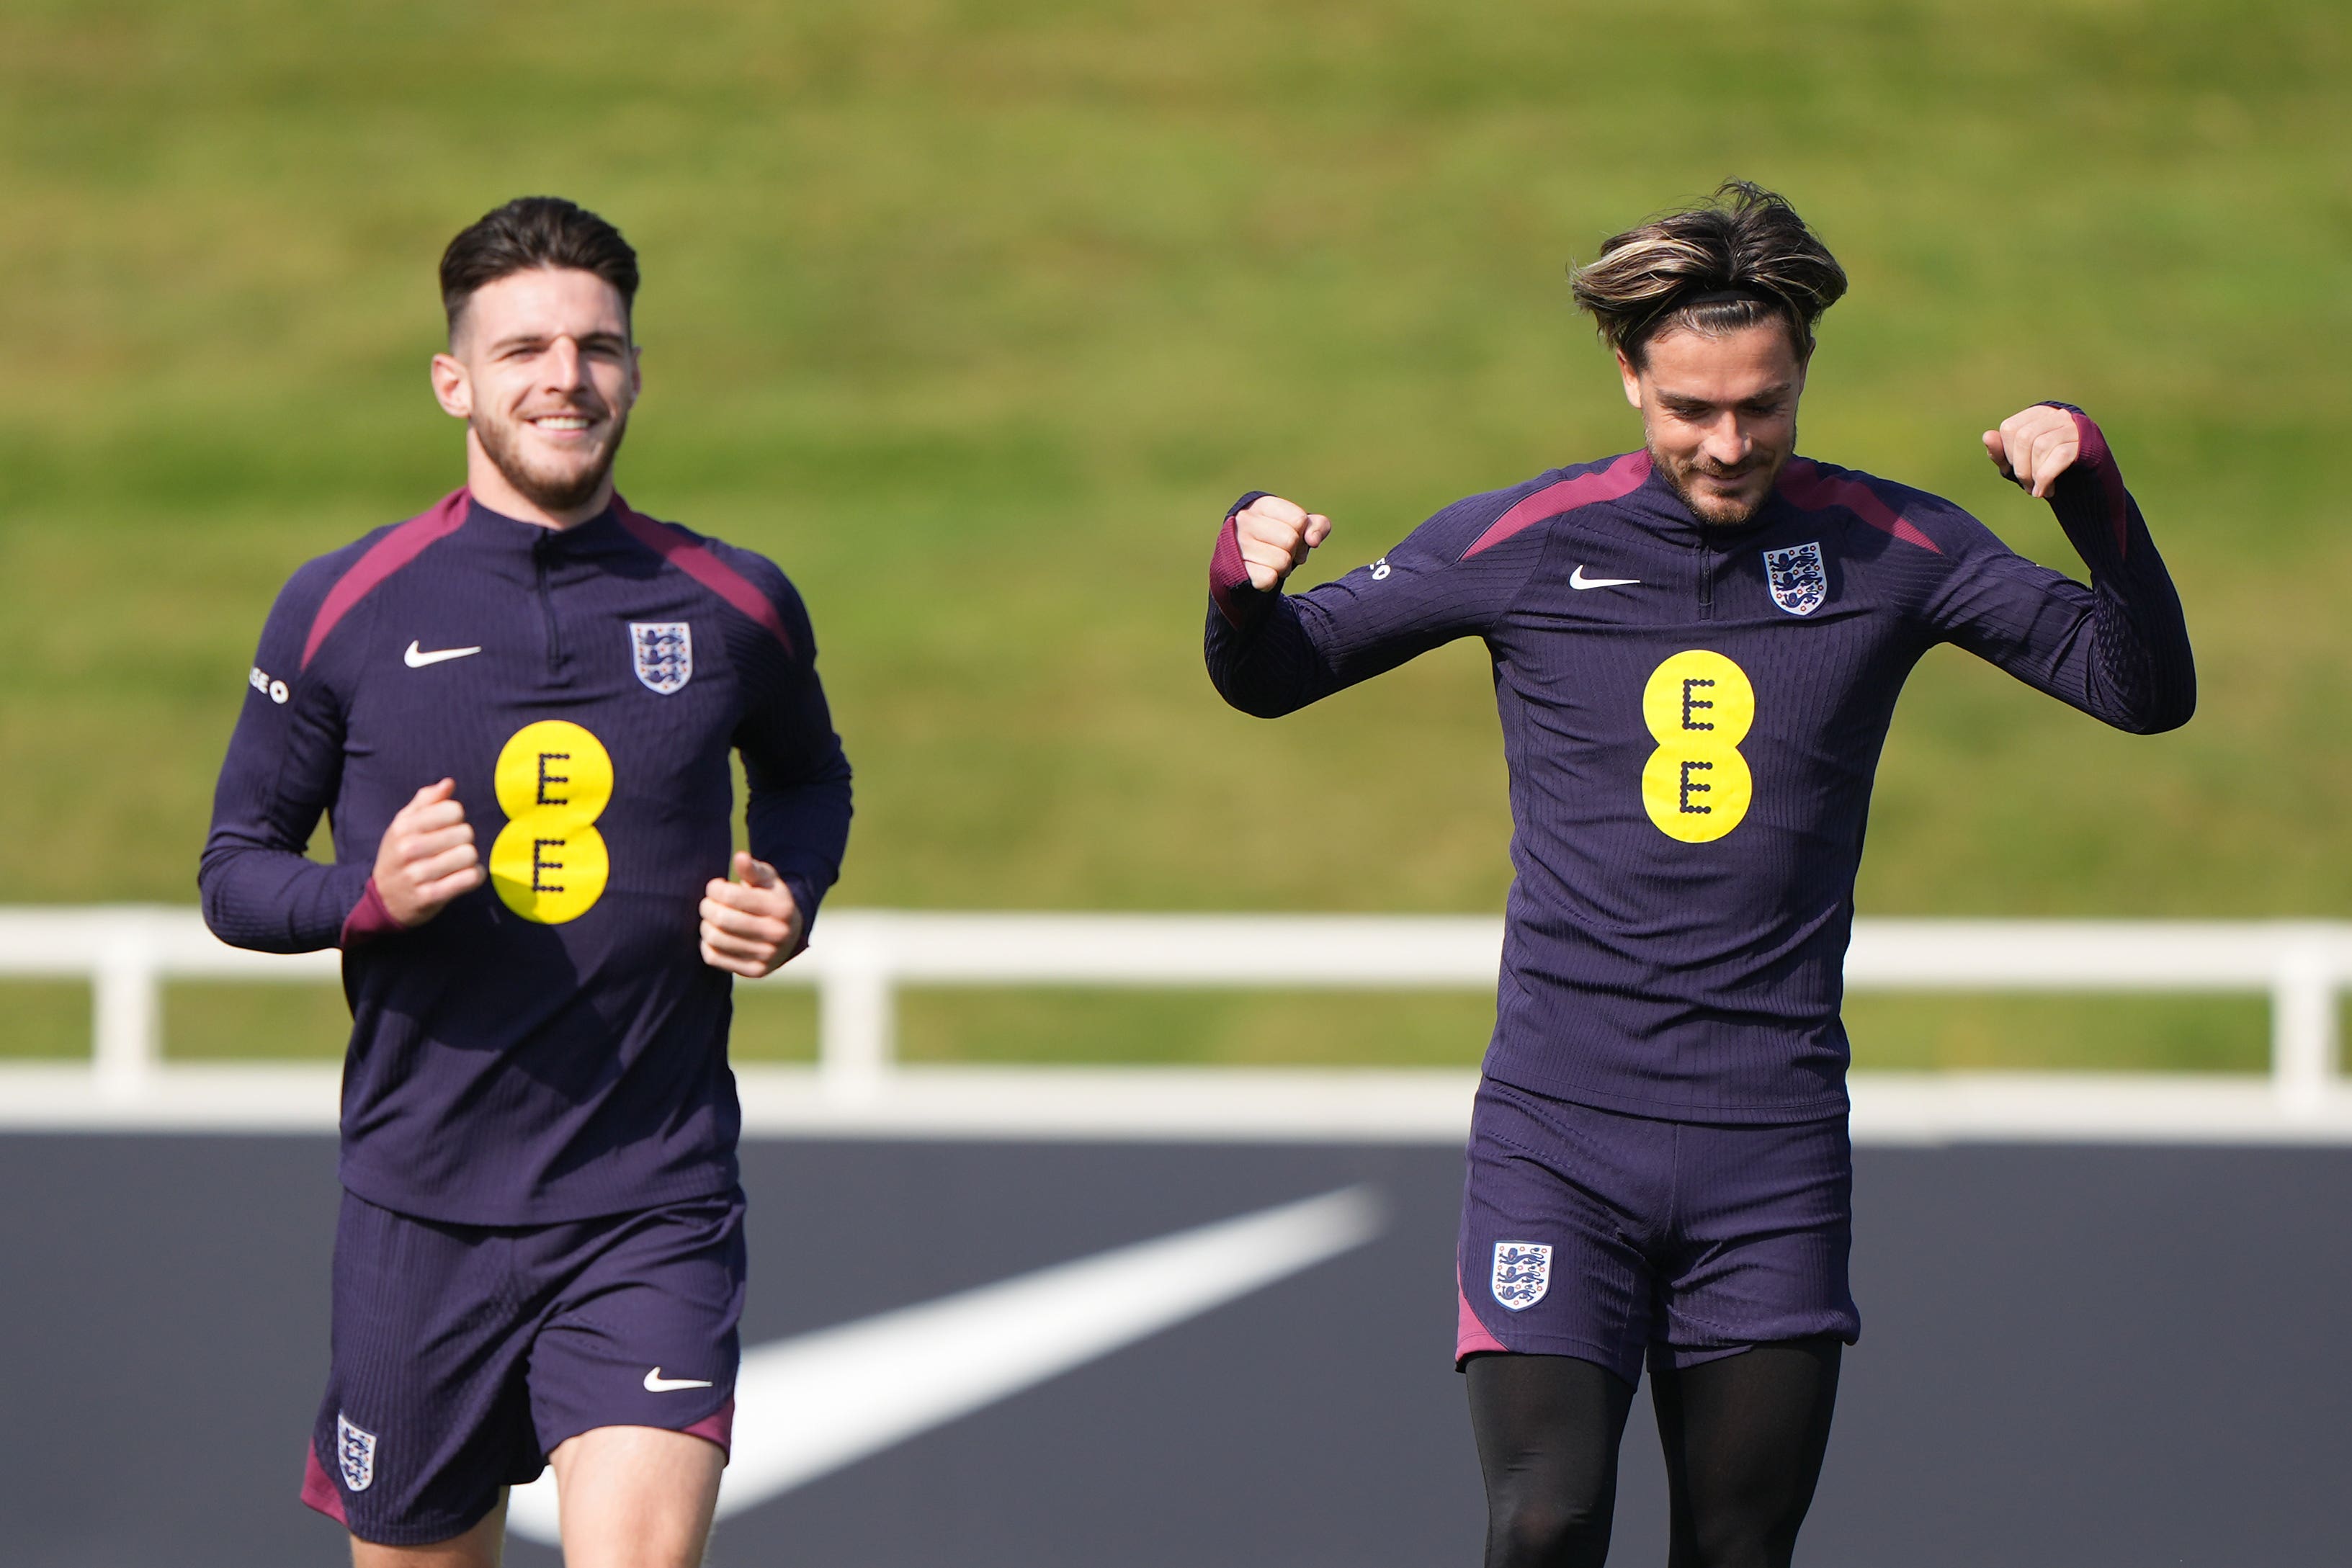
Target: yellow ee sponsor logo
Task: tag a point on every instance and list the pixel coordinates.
(1698, 706)
(549, 862)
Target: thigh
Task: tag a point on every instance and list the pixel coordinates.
(1556, 1207)
(1762, 1230)
(644, 1331)
(426, 1419)
(1548, 1429)
(1745, 1436)
(636, 1497)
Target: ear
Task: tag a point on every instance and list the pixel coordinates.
(452, 386)
(1631, 378)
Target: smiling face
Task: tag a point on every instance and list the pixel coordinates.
(1718, 415)
(541, 369)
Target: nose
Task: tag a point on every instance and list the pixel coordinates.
(1727, 444)
(563, 364)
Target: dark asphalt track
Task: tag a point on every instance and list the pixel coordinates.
(2071, 1356)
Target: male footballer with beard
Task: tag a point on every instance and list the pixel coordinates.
(517, 709)
(1697, 651)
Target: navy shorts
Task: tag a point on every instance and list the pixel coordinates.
(464, 1354)
(1612, 1237)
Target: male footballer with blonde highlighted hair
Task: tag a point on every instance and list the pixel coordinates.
(1698, 646)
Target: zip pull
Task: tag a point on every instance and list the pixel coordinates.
(1706, 578)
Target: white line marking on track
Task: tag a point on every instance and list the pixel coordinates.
(808, 1405)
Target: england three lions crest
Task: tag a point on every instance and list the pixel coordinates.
(664, 650)
(355, 1454)
(1522, 1273)
(1800, 581)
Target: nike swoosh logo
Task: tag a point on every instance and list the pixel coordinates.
(1578, 579)
(808, 1405)
(656, 1384)
(416, 659)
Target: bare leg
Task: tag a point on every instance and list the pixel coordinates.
(636, 1497)
(477, 1548)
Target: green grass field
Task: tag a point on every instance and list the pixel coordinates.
(973, 315)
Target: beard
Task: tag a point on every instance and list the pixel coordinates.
(1713, 508)
(560, 486)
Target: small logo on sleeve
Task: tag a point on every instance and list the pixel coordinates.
(1799, 578)
(1522, 1273)
(1380, 569)
(267, 685)
(664, 650)
(355, 1454)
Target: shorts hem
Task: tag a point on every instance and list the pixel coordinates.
(1557, 1345)
(716, 1427)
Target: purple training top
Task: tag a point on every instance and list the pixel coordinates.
(552, 1047)
(1693, 717)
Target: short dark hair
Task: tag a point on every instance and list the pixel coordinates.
(1740, 258)
(529, 232)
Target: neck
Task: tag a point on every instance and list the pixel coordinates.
(494, 490)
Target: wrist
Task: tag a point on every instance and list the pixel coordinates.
(370, 918)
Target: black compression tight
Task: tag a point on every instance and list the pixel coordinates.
(1744, 1439)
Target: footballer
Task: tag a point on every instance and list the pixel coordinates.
(517, 710)
(1696, 649)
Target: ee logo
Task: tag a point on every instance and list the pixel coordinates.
(1698, 706)
(549, 862)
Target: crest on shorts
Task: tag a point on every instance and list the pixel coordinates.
(1799, 580)
(1522, 1273)
(354, 1453)
(664, 650)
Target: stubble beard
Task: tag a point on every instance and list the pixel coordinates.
(1713, 511)
(556, 490)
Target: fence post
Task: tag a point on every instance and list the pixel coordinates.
(126, 1006)
(855, 1010)
(2303, 1025)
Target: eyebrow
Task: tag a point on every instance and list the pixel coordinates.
(525, 340)
(1693, 400)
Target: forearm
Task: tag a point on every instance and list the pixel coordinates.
(802, 829)
(278, 900)
(2136, 671)
(1270, 669)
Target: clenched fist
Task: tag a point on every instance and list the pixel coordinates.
(750, 925)
(427, 856)
(1274, 537)
(2033, 447)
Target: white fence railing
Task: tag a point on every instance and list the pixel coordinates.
(863, 957)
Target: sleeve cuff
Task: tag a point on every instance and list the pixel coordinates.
(805, 899)
(2098, 461)
(369, 919)
(1229, 580)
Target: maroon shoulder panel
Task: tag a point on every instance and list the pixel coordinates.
(1804, 484)
(1621, 478)
(387, 556)
(672, 544)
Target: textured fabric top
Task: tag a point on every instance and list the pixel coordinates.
(551, 1046)
(1693, 717)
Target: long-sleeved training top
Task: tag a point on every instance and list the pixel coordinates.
(1693, 717)
(551, 1046)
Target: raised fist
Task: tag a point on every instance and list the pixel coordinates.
(2031, 448)
(1274, 537)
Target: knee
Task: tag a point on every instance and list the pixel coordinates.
(1527, 1529)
